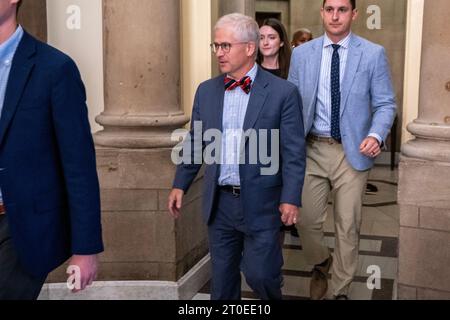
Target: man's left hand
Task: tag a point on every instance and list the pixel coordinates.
(289, 214)
(370, 147)
(88, 269)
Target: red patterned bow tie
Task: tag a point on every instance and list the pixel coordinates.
(245, 83)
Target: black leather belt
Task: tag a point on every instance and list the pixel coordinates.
(234, 190)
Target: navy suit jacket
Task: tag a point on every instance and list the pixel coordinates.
(48, 174)
(274, 104)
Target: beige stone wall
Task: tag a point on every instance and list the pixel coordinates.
(195, 50)
(424, 187)
(82, 42)
(33, 17)
(143, 241)
(281, 7)
(424, 251)
(243, 6)
(434, 99)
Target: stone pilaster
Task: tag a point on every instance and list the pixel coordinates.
(246, 7)
(33, 17)
(142, 108)
(424, 186)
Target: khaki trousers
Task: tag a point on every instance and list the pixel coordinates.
(328, 172)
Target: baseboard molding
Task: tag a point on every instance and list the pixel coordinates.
(184, 289)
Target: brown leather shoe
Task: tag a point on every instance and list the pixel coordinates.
(319, 280)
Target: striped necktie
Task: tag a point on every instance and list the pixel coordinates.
(245, 83)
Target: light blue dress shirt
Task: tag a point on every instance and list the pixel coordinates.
(7, 52)
(234, 112)
(322, 120)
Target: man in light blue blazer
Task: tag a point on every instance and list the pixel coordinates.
(348, 109)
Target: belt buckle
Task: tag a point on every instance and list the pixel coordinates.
(236, 191)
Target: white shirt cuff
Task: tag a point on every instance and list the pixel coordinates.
(376, 136)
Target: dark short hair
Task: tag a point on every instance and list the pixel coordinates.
(352, 2)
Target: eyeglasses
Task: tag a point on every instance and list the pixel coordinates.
(226, 46)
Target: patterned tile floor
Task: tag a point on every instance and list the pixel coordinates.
(378, 247)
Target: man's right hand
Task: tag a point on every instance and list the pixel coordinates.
(87, 265)
(175, 202)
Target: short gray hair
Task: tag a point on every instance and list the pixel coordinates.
(244, 27)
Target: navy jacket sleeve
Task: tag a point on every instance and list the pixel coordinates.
(293, 149)
(186, 172)
(77, 153)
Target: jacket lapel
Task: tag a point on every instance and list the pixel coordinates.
(21, 67)
(316, 61)
(353, 60)
(257, 99)
(217, 111)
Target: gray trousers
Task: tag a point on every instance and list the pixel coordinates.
(15, 284)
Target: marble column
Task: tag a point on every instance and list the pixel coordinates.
(424, 186)
(33, 17)
(142, 108)
(247, 7)
(142, 74)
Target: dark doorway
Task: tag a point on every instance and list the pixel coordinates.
(261, 16)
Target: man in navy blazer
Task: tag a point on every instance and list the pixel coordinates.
(50, 207)
(243, 205)
(349, 108)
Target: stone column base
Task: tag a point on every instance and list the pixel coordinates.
(184, 289)
(424, 257)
